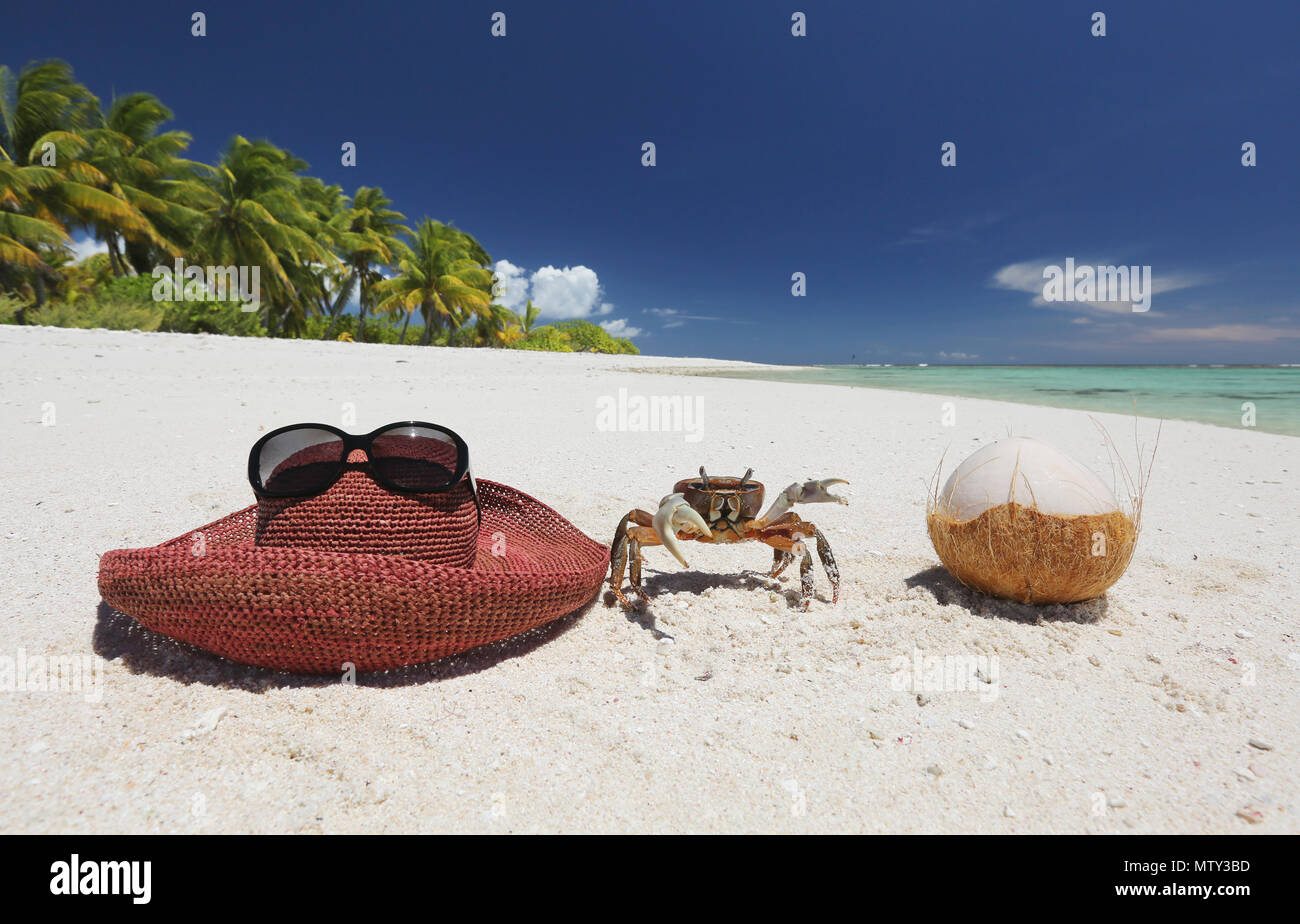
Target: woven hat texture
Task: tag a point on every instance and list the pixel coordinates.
(310, 602)
(358, 515)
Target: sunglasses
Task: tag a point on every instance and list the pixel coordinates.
(410, 457)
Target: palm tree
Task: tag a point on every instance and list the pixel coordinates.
(443, 273)
(369, 239)
(254, 217)
(144, 166)
(529, 317)
(493, 326)
(22, 235)
(43, 115)
(329, 208)
(78, 279)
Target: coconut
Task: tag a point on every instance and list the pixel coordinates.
(1022, 520)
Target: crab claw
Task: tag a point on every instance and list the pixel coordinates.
(815, 492)
(675, 514)
(810, 492)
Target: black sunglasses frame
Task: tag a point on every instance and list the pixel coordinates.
(364, 442)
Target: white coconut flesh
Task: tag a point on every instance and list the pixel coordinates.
(1025, 471)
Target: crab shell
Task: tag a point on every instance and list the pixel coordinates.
(720, 498)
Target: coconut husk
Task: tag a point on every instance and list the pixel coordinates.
(1022, 554)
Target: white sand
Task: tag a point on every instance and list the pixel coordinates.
(1133, 714)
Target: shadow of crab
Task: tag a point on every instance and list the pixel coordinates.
(688, 584)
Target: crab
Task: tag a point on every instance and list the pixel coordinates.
(727, 510)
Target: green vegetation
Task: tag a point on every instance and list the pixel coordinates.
(67, 165)
(573, 337)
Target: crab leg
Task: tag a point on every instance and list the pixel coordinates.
(806, 580)
(828, 562)
(636, 531)
(785, 537)
(788, 548)
(627, 545)
(634, 569)
(781, 557)
(780, 561)
(810, 492)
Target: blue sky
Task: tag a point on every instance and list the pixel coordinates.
(778, 155)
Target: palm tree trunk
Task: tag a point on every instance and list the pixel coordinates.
(336, 310)
(361, 305)
(38, 284)
(336, 313)
(137, 257)
(274, 320)
(404, 323)
(114, 258)
(427, 337)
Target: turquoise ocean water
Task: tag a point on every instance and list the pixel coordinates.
(1208, 394)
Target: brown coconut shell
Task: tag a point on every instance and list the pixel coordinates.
(1022, 554)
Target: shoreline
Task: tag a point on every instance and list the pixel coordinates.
(707, 367)
(1027, 400)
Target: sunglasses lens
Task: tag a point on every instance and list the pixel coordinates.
(415, 458)
(300, 461)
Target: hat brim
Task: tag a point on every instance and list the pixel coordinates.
(310, 611)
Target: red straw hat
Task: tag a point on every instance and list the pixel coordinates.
(360, 575)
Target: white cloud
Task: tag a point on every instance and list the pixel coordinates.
(1027, 276)
(572, 292)
(511, 285)
(1021, 277)
(86, 247)
(961, 228)
(674, 318)
(559, 294)
(959, 356)
(1220, 333)
(620, 328)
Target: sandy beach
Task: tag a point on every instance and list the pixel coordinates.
(1169, 706)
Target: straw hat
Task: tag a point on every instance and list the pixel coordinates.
(360, 575)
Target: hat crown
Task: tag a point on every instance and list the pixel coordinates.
(358, 515)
